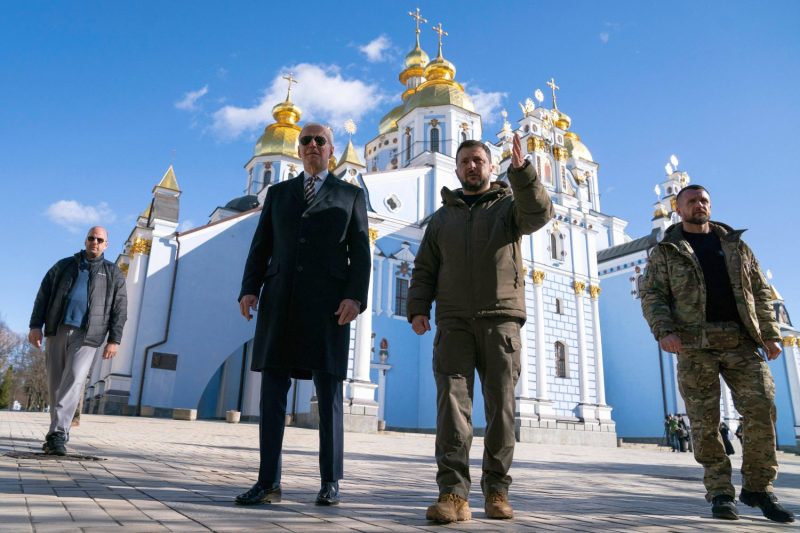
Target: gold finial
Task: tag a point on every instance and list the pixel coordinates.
(291, 79)
(438, 29)
(417, 19)
(373, 235)
(554, 87)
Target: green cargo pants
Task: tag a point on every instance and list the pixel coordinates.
(753, 391)
(491, 347)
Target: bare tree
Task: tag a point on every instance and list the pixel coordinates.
(9, 344)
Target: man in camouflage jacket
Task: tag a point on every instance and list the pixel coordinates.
(705, 300)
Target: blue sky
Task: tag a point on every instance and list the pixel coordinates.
(97, 99)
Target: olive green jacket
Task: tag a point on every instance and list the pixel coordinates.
(470, 259)
(673, 291)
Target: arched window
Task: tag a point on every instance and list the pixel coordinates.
(407, 140)
(556, 247)
(463, 136)
(548, 173)
(559, 307)
(561, 359)
(434, 139)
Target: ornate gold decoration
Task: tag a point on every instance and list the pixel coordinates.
(594, 291)
(539, 144)
(790, 340)
(141, 246)
(560, 153)
(579, 287)
(434, 122)
(123, 267)
(673, 203)
(538, 277)
(373, 235)
(465, 126)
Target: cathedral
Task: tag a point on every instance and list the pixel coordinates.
(186, 346)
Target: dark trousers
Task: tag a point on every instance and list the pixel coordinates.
(274, 389)
(491, 347)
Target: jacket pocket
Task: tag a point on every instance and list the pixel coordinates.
(338, 273)
(272, 269)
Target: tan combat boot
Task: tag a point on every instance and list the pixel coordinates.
(449, 508)
(497, 506)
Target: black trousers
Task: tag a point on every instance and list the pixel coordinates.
(275, 386)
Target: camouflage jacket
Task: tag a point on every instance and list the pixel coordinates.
(673, 291)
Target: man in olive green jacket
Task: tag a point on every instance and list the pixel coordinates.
(470, 263)
(705, 300)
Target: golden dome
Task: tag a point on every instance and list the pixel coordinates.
(562, 120)
(660, 212)
(280, 138)
(440, 69)
(575, 148)
(434, 94)
(416, 58)
(389, 121)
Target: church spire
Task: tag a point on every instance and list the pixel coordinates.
(415, 61)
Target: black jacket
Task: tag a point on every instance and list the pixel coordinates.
(108, 301)
(304, 260)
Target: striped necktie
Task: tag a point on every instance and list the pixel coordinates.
(309, 192)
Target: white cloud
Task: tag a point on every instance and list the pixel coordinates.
(322, 94)
(604, 37)
(190, 99)
(487, 104)
(78, 217)
(376, 49)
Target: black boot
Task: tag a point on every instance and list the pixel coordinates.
(723, 507)
(768, 503)
(55, 444)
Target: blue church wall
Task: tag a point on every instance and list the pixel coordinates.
(207, 286)
(631, 362)
(783, 402)
(207, 406)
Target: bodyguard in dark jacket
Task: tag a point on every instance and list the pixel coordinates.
(81, 301)
(470, 263)
(310, 262)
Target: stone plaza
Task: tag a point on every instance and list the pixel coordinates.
(151, 474)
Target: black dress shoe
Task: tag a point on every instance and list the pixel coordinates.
(329, 493)
(768, 503)
(258, 494)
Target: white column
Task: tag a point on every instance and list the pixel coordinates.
(377, 282)
(603, 411)
(390, 264)
(583, 371)
(361, 388)
(544, 406)
(522, 385)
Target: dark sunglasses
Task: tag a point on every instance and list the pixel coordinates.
(92, 238)
(318, 139)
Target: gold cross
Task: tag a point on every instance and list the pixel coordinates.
(438, 29)
(417, 18)
(291, 79)
(552, 85)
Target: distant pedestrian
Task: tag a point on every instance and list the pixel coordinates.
(739, 429)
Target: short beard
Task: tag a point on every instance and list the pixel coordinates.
(476, 187)
(699, 220)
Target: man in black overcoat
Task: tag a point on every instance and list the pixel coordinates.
(310, 261)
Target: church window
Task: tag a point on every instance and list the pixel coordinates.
(434, 139)
(547, 173)
(559, 307)
(561, 359)
(393, 202)
(463, 136)
(556, 247)
(408, 146)
(400, 296)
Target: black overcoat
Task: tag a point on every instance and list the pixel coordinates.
(304, 260)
